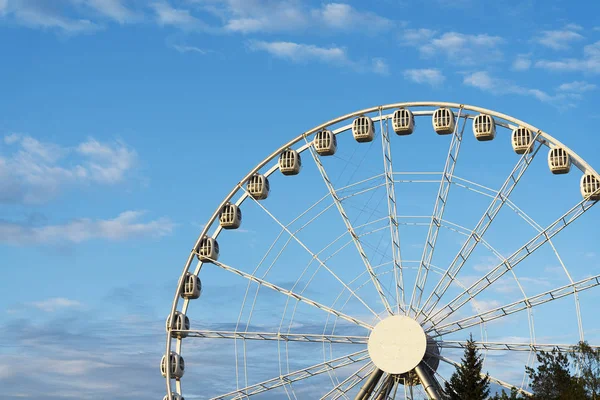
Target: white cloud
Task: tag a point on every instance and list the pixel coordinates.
(590, 62)
(189, 49)
(40, 15)
(34, 171)
(304, 53)
(114, 9)
(297, 52)
(558, 39)
(261, 16)
(54, 304)
(522, 63)
(459, 48)
(167, 15)
(125, 226)
(577, 87)
(430, 76)
(482, 80)
(345, 17)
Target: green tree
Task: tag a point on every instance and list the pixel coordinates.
(587, 360)
(514, 395)
(466, 382)
(553, 380)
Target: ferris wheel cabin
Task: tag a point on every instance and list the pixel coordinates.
(521, 140)
(208, 249)
(177, 365)
(182, 323)
(325, 143)
(230, 216)
(174, 396)
(290, 162)
(484, 127)
(192, 287)
(403, 122)
(363, 129)
(590, 187)
(258, 187)
(559, 161)
(443, 121)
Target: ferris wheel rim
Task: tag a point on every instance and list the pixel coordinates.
(545, 139)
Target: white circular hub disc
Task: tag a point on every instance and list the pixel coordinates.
(397, 344)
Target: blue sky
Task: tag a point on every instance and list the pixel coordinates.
(124, 123)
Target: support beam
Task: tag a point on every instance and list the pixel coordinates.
(431, 386)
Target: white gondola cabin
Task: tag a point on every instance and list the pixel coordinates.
(258, 187)
(177, 366)
(192, 287)
(230, 216)
(325, 143)
(363, 129)
(559, 161)
(443, 121)
(208, 249)
(521, 140)
(174, 396)
(182, 323)
(484, 127)
(290, 162)
(590, 187)
(403, 122)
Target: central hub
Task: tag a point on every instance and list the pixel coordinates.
(397, 344)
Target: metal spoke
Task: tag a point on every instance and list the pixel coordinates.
(438, 214)
(349, 383)
(517, 306)
(291, 294)
(391, 203)
(285, 337)
(501, 346)
(512, 261)
(351, 230)
(321, 263)
(492, 379)
(484, 223)
(295, 376)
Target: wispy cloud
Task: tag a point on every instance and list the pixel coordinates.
(345, 17)
(459, 48)
(189, 49)
(304, 53)
(589, 63)
(45, 15)
(577, 87)
(55, 303)
(126, 225)
(113, 9)
(559, 39)
(522, 62)
(484, 81)
(35, 171)
(430, 76)
(166, 15)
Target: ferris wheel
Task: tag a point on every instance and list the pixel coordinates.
(371, 248)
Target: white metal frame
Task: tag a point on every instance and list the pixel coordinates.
(435, 318)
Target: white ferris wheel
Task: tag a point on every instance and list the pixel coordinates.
(370, 250)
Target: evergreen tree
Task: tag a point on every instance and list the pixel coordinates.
(587, 361)
(466, 382)
(553, 380)
(514, 395)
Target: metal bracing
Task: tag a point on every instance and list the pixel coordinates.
(349, 383)
(484, 223)
(391, 203)
(323, 265)
(513, 260)
(438, 214)
(491, 378)
(291, 294)
(503, 311)
(369, 386)
(351, 230)
(295, 376)
(285, 337)
(501, 346)
(431, 386)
